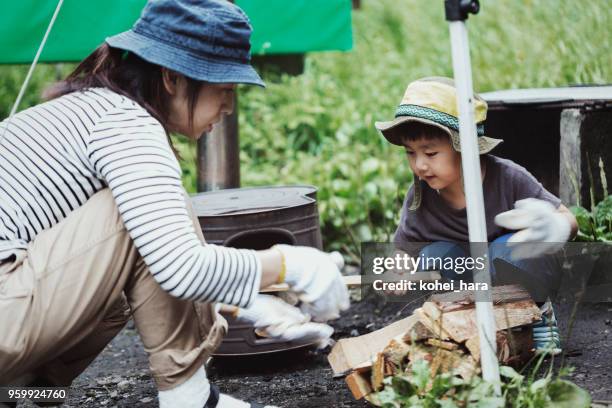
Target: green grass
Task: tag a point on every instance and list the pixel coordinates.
(318, 128)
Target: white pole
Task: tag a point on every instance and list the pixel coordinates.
(477, 227)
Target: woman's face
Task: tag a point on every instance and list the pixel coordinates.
(213, 101)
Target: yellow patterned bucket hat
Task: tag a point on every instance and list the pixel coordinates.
(433, 101)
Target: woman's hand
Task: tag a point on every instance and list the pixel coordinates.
(272, 317)
(538, 223)
(316, 278)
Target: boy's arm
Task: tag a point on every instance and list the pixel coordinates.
(537, 222)
(572, 220)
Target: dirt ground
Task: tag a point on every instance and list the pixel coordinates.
(119, 377)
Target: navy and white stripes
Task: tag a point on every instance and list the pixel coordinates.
(56, 155)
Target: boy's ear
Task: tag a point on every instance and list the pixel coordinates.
(171, 81)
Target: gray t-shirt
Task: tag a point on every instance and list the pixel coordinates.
(504, 183)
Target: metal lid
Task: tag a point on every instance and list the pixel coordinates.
(251, 199)
(573, 96)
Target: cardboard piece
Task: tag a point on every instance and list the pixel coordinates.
(355, 351)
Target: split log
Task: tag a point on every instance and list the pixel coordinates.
(378, 372)
(390, 368)
(431, 324)
(444, 361)
(416, 333)
(461, 324)
(381, 368)
(451, 301)
(447, 345)
(358, 384)
(420, 352)
(396, 351)
(514, 347)
(467, 367)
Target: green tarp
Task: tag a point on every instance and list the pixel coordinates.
(295, 26)
(279, 26)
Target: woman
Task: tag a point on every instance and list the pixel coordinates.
(95, 224)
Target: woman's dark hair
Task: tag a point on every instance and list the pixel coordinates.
(127, 74)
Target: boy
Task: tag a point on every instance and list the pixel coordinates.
(426, 125)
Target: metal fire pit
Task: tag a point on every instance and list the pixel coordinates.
(257, 218)
(561, 135)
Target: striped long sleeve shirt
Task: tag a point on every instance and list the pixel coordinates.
(56, 155)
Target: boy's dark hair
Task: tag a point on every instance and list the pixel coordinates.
(412, 131)
(126, 74)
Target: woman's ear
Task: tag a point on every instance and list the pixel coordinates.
(171, 81)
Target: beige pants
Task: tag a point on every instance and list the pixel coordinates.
(65, 298)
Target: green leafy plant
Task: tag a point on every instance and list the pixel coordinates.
(595, 226)
(416, 388)
(12, 76)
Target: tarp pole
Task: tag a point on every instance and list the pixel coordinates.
(26, 81)
(219, 155)
(470, 162)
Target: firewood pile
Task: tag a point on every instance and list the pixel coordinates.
(443, 332)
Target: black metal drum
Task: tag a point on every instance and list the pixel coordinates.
(257, 218)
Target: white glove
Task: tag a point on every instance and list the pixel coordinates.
(316, 278)
(540, 223)
(319, 333)
(272, 317)
(267, 310)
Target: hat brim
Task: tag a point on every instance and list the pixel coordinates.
(198, 67)
(485, 144)
(391, 130)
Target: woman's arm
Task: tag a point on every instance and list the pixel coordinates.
(572, 220)
(129, 150)
(271, 266)
(270, 259)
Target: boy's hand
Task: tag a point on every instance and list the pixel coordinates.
(316, 278)
(540, 223)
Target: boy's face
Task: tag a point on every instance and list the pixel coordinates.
(435, 161)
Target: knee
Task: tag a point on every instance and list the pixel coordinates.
(442, 250)
(119, 313)
(499, 249)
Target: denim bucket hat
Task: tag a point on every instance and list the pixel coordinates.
(206, 40)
